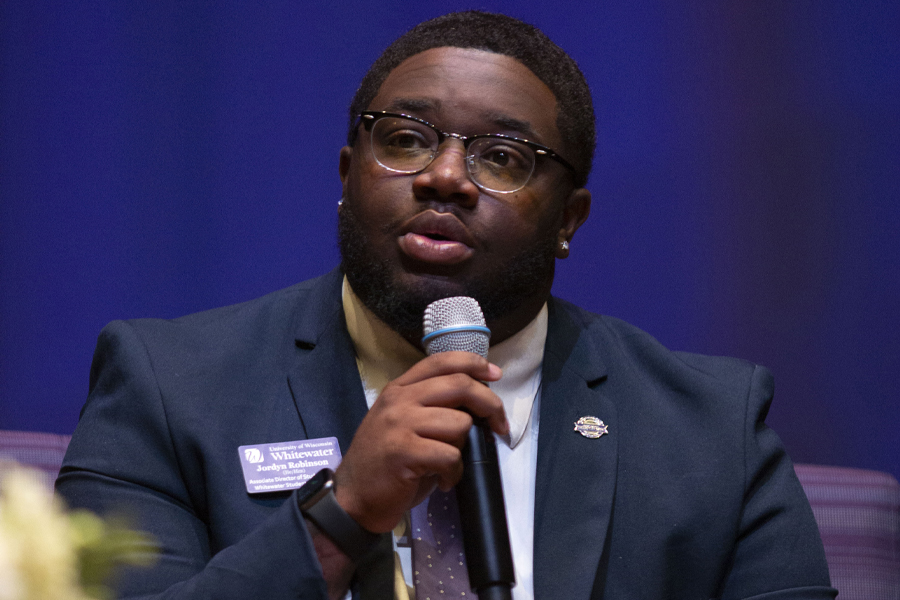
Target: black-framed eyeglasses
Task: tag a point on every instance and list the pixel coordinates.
(496, 163)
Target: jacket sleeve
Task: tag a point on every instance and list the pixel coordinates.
(122, 459)
(778, 543)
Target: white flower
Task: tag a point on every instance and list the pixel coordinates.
(10, 580)
(38, 559)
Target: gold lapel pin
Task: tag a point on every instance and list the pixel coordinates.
(591, 427)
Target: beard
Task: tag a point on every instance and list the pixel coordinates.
(401, 306)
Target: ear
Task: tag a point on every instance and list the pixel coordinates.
(575, 213)
(344, 164)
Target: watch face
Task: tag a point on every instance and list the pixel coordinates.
(312, 488)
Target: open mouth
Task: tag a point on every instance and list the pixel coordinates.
(434, 249)
(436, 238)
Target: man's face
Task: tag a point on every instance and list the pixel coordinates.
(409, 239)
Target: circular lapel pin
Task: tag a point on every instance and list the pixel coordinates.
(591, 427)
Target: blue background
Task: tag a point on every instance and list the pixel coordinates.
(163, 157)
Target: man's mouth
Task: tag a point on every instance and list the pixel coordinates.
(434, 249)
(436, 238)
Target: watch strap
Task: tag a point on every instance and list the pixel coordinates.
(342, 529)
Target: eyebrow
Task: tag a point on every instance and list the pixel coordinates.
(517, 125)
(414, 105)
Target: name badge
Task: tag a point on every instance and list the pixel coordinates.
(286, 465)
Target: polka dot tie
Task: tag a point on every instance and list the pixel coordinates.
(439, 564)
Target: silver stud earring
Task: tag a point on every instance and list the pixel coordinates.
(564, 245)
(341, 202)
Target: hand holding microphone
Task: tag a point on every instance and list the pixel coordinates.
(457, 324)
(411, 439)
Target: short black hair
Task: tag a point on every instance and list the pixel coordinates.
(500, 34)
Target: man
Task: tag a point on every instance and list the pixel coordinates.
(470, 143)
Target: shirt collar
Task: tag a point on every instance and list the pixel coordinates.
(382, 355)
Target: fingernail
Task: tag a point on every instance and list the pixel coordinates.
(494, 371)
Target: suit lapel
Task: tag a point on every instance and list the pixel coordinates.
(324, 378)
(330, 400)
(576, 476)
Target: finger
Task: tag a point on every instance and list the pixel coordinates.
(447, 425)
(434, 461)
(458, 390)
(472, 364)
(377, 493)
(451, 478)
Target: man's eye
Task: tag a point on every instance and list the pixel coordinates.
(406, 140)
(504, 156)
(498, 157)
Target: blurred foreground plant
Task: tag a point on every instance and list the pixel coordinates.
(47, 553)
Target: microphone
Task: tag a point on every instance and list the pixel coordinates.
(457, 324)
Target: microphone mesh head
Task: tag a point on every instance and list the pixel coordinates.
(453, 312)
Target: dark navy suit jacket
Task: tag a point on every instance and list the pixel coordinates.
(689, 496)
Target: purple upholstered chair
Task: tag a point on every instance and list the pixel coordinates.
(858, 513)
(41, 451)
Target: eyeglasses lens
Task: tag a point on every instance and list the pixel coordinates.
(403, 145)
(500, 165)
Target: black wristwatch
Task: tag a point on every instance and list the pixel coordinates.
(317, 503)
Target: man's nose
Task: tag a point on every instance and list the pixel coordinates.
(447, 177)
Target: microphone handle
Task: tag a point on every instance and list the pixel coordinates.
(483, 515)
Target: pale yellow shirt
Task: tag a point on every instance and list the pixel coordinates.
(382, 355)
